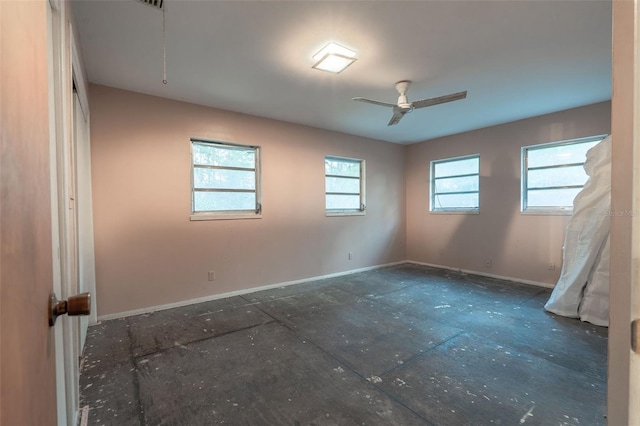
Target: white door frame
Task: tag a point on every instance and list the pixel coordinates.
(65, 71)
(84, 204)
(623, 396)
(54, 60)
(634, 364)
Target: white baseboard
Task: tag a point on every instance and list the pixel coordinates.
(305, 280)
(484, 274)
(151, 309)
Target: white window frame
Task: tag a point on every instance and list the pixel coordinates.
(433, 195)
(524, 191)
(226, 214)
(363, 204)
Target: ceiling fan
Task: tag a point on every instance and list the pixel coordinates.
(404, 106)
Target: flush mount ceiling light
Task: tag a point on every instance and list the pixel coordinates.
(334, 58)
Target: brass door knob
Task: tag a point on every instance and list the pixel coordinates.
(79, 304)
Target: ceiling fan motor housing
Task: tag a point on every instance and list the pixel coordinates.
(403, 102)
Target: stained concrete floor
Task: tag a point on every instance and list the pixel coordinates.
(407, 345)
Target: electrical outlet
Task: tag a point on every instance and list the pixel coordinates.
(441, 252)
(212, 275)
(350, 255)
(487, 263)
(551, 266)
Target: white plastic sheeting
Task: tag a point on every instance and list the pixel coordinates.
(582, 291)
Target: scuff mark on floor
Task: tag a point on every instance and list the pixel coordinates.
(527, 414)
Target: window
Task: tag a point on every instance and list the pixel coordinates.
(455, 184)
(553, 174)
(225, 180)
(344, 186)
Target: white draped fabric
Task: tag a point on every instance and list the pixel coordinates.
(582, 291)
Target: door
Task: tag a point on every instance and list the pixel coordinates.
(623, 390)
(27, 348)
(634, 365)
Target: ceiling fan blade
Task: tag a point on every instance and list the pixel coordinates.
(397, 115)
(440, 100)
(371, 101)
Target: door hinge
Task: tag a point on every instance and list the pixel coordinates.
(635, 336)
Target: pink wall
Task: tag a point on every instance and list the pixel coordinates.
(519, 245)
(149, 253)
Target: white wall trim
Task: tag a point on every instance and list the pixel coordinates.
(484, 274)
(239, 292)
(151, 309)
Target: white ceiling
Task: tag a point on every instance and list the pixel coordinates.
(517, 59)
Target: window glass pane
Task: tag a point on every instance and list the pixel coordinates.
(458, 184)
(446, 179)
(561, 176)
(455, 201)
(456, 167)
(561, 154)
(216, 155)
(214, 166)
(552, 197)
(334, 166)
(554, 172)
(223, 179)
(220, 201)
(343, 202)
(351, 184)
(342, 185)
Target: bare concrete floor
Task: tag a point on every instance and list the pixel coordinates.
(407, 345)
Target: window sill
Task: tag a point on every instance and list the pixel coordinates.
(454, 212)
(346, 213)
(556, 212)
(223, 216)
